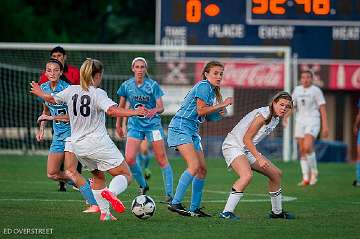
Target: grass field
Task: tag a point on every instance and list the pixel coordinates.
(330, 209)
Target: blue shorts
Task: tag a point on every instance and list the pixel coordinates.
(178, 137)
(151, 135)
(58, 142)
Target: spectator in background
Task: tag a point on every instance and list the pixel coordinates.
(70, 75)
(356, 182)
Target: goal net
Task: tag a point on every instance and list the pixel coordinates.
(252, 75)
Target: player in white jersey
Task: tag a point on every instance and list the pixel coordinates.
(87, 106)
(309, 103)
(240, 153)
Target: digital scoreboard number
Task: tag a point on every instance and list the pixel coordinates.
(315, 29)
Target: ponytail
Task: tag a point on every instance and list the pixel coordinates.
(88, 69)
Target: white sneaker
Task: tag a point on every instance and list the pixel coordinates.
(313, 179)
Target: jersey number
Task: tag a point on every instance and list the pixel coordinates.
(85, 105)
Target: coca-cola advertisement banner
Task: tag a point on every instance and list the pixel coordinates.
(250, 75)
(344, 77)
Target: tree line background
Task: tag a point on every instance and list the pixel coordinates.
(78, 21)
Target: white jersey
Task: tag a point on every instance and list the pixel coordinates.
(307, 101)
(86, 110)
(236, 136)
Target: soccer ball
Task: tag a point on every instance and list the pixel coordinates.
(143, 207)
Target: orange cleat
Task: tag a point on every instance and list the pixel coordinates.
(92, 209)
(116, 204)
(107, 217)
(303, 183)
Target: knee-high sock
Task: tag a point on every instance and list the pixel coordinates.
(305, 168)
(233, 200)
(102, 202)
(312, 163)
(139, 160)
(137, 174)
(184, 181)
(86, 192)
(146, 160)
(118, 184)
(167, 174)
(276, 201)
(196, 196)
(358, 170)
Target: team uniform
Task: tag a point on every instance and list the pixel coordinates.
(90, 140)
(307, 102)
(145, 95)
(184, 126)
(61, 129)
(233, 145)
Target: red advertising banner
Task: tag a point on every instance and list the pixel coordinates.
(344, 77)
(250, 75)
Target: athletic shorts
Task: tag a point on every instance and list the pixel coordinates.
(230, 152)
(177, 137)
(59, 143)
(98, 153)
(150, 135)
(307, 126)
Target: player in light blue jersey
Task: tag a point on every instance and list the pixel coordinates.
(138, 91)
(356, 182)
(59, 151)
(183, 134)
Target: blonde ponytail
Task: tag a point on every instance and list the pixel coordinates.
(87, 72)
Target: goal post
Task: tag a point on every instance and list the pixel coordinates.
(176, 68)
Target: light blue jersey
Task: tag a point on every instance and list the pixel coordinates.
(61, 129)
(187, 118)
(146, 95)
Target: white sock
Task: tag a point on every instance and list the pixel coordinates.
(305, 168)
(276, 201)
(312, 163)
(232, 201)
(102, 203)
(118, 184)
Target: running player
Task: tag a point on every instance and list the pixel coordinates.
(142, 91)
(87, 105)
(183, 134)
(240, 153)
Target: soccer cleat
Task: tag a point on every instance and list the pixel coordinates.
(107, 217)
(283, 215)
(228, 215)
(313, 179)
(199, 213)
(147, 173)
(179, 208)
(143, 191)
(356, 183)
(62, 187)
(303, 183)
(168, 200)
(116, 204)
(92, 209)
(75, 188)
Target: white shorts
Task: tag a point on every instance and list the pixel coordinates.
(232, 152)
(307, 126)
(68, 145)
(98, 153)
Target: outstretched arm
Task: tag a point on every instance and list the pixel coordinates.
(36, 90)
(159, 108)
(115, 111)
(204, 109)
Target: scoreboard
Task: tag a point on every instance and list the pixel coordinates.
(315, 29)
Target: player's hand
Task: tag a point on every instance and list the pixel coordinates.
(151, 113)
(223, 112)
(141, 111)
(40, 135)
(228, 101)
(44, 117)
(35, 88)
(263, 162)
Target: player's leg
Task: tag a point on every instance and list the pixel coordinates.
(189, 154)
(55, 159)
(304, 164)
(131, 150)
(242, 168)
(274, 175)
(70, 164)
(311, 157)
(145, 158)
(161, 158)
